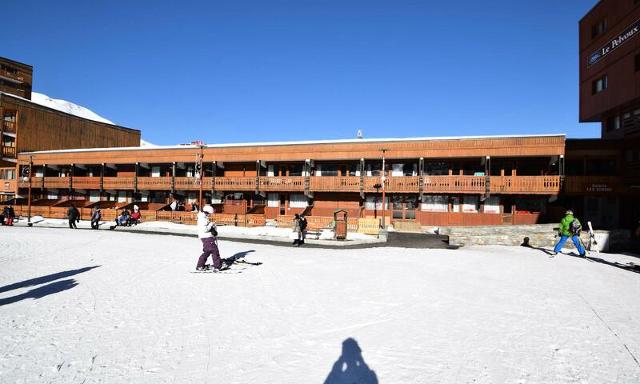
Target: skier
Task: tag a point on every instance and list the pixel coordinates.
(74, 216)
(570, 227)
(95, 218)
(207, 233)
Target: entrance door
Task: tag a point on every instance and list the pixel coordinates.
(404, 207)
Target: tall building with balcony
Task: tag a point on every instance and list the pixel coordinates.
(15, 78)
(610, 67)
(28, 126)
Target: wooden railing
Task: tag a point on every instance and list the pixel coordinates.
(8, 152)
(398, 184)
(591, 184)
(525, 184)
(154, 183)
(84, 182)
(54, 182)
(335, 183)
(116, 182)
(9, 126)
(284, 183)
(7, 185)
(452, 184)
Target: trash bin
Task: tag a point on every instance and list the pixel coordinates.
(340, 218)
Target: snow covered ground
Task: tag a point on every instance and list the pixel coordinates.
(82, 306)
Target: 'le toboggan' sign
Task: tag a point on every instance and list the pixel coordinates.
(625, 36)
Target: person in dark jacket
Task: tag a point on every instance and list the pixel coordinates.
(9, 214)
(74, 216)
(95, 218)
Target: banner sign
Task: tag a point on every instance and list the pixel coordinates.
(628, 33)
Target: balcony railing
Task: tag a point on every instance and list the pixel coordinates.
(335, 183)
(7, 185)
(8, 152)
(397, 184)
(461, 184)
(117, 182)
(8, 126)
(284, 183)
(525, 184)
(54, 182)
(154, 183)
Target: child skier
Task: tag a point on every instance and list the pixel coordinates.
(206, 233)
(570, 227)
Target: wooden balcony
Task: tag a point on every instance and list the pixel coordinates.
(335, 184)
(454, 184)
(398, 184)
(8, 152)
(9, 126)
(154, 183)
(591, 184)
(7, 185)
(116, 183)
(53, 182)
(83, 182)
(284, 183)
(542, 185)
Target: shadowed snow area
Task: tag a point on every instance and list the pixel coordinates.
(83, 306)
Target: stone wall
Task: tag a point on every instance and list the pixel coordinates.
(540, 235)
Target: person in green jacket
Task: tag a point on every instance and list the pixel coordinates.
(569, 228)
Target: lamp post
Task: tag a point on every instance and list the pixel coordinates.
(382, 181)
(200, 174)
(29, 198)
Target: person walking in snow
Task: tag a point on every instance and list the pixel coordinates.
(207, 234)
(74, 216)
(9, 214)
(570, 227)
(299, 227)
(95, 218)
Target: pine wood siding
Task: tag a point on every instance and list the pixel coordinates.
(40, 128)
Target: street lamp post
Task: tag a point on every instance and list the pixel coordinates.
(29, 198)
(382, 181)
(201, 172)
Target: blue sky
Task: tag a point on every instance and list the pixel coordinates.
(271, 70)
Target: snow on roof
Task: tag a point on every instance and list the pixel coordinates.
(309, 142)
(67, 107)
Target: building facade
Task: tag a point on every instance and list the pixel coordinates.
(610, 67)
(15, 78)
(27, 126)
(426, 181)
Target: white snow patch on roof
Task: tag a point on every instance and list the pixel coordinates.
(67, 107)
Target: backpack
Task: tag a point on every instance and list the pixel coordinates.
(575, 227)
(303, 224)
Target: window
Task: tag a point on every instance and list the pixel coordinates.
(613, 123)
(598, 28)
(599, 85)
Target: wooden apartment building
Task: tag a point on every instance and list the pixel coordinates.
(27, 126)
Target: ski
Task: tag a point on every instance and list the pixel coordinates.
(222, 271)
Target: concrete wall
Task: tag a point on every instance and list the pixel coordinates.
(540, 235)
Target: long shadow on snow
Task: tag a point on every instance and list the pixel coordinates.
(631, 268)
(45, 279)
(41, 292)
(350, 367)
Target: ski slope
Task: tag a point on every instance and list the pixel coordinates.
(83, 306)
